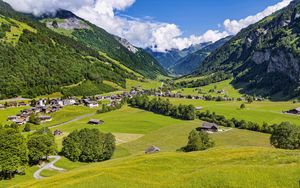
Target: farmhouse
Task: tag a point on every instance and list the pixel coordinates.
(95, 122)
(57, 133)
(45, 118)
(152, 149)
(294, 111)
(209, 127)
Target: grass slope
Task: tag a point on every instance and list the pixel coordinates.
(270, 112)
(218, 167)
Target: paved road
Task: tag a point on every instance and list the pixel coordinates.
(71, 121)
(48, 166)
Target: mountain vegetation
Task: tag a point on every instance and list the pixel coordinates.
(137, 59)
(36, 61)
(264, 58)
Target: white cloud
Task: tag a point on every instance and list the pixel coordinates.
(234, 26)
(140, 32)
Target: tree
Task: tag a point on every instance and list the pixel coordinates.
(285, 136)
(243, 106)
(34, 119)
(88, 145)
(40, 146)
(13, 152)
(27, 127)
(198, 141)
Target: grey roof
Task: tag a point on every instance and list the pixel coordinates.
(152, 149)
(209, 125)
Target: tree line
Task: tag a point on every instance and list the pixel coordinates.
(164, 107)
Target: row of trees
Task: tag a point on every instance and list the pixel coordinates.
(164, 107)
(17, 152)
(89, 145)
(284, 135)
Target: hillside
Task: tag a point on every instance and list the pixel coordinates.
(220, 167)
(37, 61)
(191, 62)
(66, 23)
(170, 57)
(264, 57)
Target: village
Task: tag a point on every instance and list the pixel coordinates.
(43, 108)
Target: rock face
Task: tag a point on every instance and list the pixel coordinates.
(261, 57)
(127, 44)
(68, 24)
(284, 63)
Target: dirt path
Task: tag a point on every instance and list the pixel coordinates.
(71, 121)
(49, 166)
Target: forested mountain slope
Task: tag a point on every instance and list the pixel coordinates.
(137, 59)
(34, 60)
(265, 57)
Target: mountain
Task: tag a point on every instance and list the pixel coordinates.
(68, 24)
(191, 62)
(35, 60)
(265, 57)
(170, 57)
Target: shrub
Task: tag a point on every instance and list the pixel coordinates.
(198, 141)
(285, 136)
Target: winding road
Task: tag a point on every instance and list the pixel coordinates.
(49, 166)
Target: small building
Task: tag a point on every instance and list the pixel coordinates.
(209, 127)
(2, 106)
(57, 133)
(199, 108)
(95, 122)
(12, 118)
(294, 111)
(45, 118)
(152, 149)
(22, 103)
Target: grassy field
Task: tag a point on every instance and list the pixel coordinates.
(8, 112)
(147, 84)
(218, 167)
(270, 112)
(224, 85)
(236, 151)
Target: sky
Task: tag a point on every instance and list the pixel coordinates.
(162, 24)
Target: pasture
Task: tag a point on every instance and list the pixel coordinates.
(217, 167)
(267, 111)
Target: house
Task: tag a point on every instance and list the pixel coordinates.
(20, 121)
(57, 133)
(95, 122)
(294, 111)
(22, 103)
(2, 106)
(209, 127)
(152, 149)
(92, 105)
(45, 118)
(12, 118)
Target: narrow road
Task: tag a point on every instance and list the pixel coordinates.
(71, 121)
(48, 166)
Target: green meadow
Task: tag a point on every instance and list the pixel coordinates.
(205, 90)
(217, 167)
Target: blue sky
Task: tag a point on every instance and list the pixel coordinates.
(196, 16)
(162, 24)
